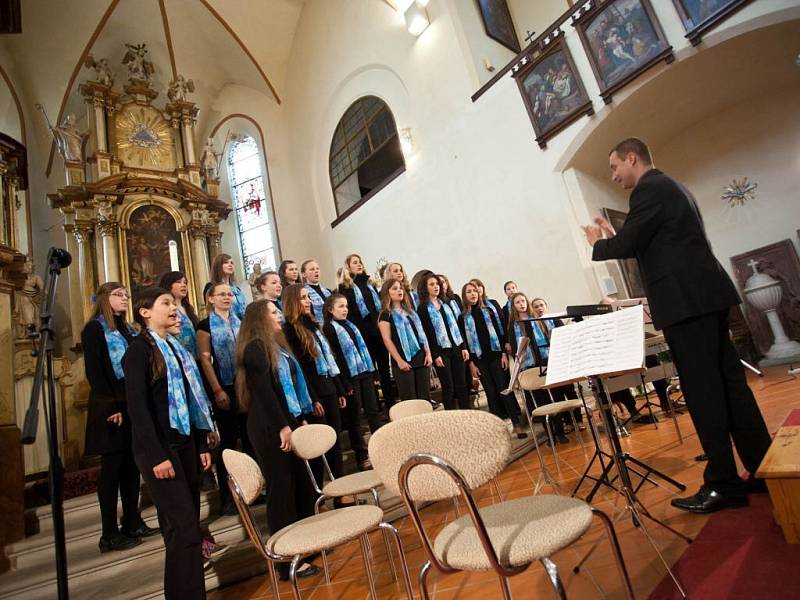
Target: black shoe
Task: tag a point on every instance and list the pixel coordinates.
(141, 530)
(701, 458)
(708, 501)
(755, 486)
(521, 435)
(562, 439)
(117, 541)
(228, 509)
(309, 571)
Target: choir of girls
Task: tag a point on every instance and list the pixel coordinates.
(248, 374)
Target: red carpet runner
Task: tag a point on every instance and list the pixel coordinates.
(740, 553)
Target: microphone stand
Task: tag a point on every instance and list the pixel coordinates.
(44, 361)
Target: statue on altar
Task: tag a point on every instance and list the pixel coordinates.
(69, 140)
(209, 161)
(179, 88)
(102, 70)
(136, 60)
(27, 300)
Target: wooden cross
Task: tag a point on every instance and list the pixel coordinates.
(529, 35)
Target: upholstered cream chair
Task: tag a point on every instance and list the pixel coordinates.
(408, 408)
(307, 536)
(450, 453)
(531, 380)
(313, 441)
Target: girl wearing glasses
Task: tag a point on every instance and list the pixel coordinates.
(105, 339)
(222, 272)
(216, 346)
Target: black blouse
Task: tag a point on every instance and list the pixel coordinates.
(318, 385)
(418, 360)
(484, 340)
(430, 332)
(366, 325)
(338, 353)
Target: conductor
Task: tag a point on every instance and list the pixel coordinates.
(690, 296)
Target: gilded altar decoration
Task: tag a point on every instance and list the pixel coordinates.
(739, 192)
(179, 88)
(144, 138)
(152, 231)
(102, 70)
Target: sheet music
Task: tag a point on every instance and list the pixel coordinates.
(596, 346)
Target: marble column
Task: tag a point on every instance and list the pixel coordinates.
(200, 263)
(108, 234)
(84, 231)
(214, 236)
(188, 139)
(74, 277)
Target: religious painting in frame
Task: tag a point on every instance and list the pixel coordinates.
(498, 24)
(781, 262)
(152, 246)
(552, 90)
(629, 267)
(622, 39)
(699, 16)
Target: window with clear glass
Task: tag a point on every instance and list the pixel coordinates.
(252, 207)
(365, 154)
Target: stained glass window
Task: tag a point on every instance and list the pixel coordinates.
(252, 206)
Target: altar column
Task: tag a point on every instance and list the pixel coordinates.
(84, 230)
(202, 274)
(108, 233)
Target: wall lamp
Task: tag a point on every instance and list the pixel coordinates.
(414, 14)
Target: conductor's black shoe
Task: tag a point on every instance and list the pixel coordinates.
(755, 486)
(117, 541)
(140, 530)
(701, 457)
(708, 501)
(305, 570)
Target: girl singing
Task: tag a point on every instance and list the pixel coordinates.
(176, 283)
(222, 272)
(270, 287)
(289, 273)
(316, 292)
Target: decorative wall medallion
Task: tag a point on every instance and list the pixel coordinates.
(144, 138)
(739, 192)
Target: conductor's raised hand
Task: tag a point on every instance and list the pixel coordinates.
(593, 233)
(164, 470)
(605, 226)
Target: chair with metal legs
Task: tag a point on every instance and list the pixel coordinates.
(308, 536)
(451, 453)
(532, 380)
(408, 408)
(310, 442)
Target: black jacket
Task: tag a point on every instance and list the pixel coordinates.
(368, 326)
(318, 385)
(665, 233)
(148, 407)
(430, 332)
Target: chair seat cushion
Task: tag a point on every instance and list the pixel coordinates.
(555, 408)
(521, 531)
(356, 483)
(324, 530)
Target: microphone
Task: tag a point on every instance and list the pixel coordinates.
(60, 256)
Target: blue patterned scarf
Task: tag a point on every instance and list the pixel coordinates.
(473, 341)
(412, 337)
(324, 360)
(354, 348)
(453, 304)
(317, 300)
(442, 326)
(117, 345)
(362, 306)
(542, 337)
(239, 301)
(223, 341)
(539, 340)
(298, 401)
(490, 305)
(187, 334)
(183, 412)
(414, 299)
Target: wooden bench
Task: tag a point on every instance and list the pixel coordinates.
(781, 470)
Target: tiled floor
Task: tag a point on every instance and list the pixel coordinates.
(776, 393)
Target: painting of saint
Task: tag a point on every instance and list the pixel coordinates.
(150, 230)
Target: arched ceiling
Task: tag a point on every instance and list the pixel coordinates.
(213, 42)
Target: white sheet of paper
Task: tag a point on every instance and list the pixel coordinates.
(596, 346)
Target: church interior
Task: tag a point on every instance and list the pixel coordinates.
(464, 137)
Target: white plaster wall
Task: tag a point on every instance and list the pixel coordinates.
(9, 117)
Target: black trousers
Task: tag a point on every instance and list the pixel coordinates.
(542, 398)
(177, 502)
(454, 390)
(351, 421)
(232, 427)
(332, 417)
(413, 384)
(380, 356)
(494, 380)
(119, 477)
(721, 404)
(364, 392)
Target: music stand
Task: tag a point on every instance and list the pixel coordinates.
(591, 338)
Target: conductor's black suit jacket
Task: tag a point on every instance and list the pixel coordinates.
(664, 232)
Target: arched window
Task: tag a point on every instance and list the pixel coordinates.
(365, 154)
(252, 206)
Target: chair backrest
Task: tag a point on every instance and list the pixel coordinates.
(312, 441)
(409, 408)
(246, 472)
(476, 443)
(531, 379)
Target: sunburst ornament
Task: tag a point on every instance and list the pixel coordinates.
(143, 138)
(739, 192)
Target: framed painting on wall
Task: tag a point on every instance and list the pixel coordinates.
(629, 267)
(552, 90)
(622, 39)
(699, 16)
(498, 24)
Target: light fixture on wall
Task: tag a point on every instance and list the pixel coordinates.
(406, 141)
(416, 17)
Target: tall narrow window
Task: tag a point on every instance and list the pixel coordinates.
(252, 207)
(365, 154)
